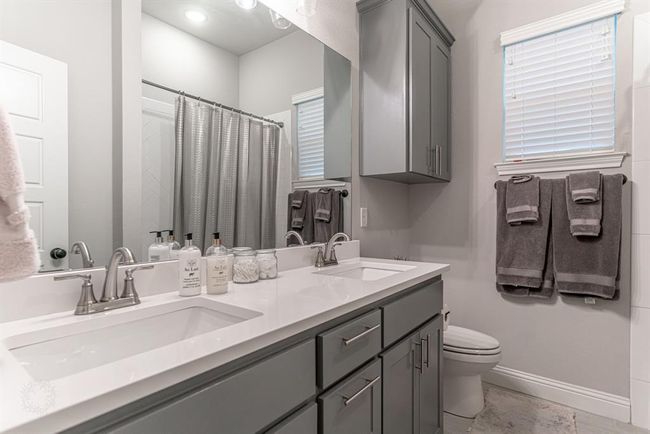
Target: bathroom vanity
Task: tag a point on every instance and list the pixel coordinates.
(347, 349)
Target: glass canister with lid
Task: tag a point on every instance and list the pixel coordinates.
(268, 264)
(245, 268)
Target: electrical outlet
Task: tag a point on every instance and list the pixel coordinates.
(363, 215)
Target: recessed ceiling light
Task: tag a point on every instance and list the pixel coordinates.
(246, 4)
(279, 22)
(195, 16)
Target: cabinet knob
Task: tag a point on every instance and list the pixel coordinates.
(58, 253)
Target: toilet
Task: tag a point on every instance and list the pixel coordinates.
(467, 354)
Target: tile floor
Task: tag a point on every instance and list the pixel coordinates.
(586, 423)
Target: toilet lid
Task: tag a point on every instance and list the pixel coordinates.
(462, 340)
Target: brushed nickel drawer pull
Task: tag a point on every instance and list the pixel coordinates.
(353, 339)
(371, 383)
(425, 363)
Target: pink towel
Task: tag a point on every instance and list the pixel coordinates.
(18, 247)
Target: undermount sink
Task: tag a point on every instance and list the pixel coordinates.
(61, 351)
(366, 270)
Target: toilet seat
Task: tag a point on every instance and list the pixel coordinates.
(460, 340)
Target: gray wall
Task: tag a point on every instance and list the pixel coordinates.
(174, 58)
(271, 74)
(55, 29)
(562, 339)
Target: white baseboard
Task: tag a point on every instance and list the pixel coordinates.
(581, 398)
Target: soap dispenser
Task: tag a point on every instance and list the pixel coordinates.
(158, 250)
(216, 257)
(189, 269)
(172, 244)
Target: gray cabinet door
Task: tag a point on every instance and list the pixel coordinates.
(354, 405)
(421, 44)
(440, 108)
(428, 413)
(399, 391)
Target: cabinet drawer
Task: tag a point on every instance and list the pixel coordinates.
(405, 314)
(348, 346)
(354, 406)
(304, 421)
(245, 402)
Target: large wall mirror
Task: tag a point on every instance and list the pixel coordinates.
(241, 111)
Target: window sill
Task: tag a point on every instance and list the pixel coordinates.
(316, 183)
(567, 163)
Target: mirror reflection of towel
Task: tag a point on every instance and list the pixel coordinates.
(323, 205)
(324, 229)
(300, 219)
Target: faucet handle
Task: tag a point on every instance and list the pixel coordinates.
(320, 257)
(129, 284)
(87, 298)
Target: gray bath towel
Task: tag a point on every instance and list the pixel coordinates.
(301, 219)
(324, 230)
(522, 199)
(588, 266)
(584, 218)
(522, 249)
(585, 187)
(323, 205)
(548, 285)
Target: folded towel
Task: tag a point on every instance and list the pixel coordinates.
(323, 205)
(522, 249)
(522, 199)
(18, 247)
(585, 187)
(300, 219)
(323, 230)
(584, 218)
(588, 266)
(298, 198)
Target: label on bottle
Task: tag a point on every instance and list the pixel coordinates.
(190, 273)
(217, 274)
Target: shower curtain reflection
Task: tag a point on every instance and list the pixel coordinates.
(225, 176)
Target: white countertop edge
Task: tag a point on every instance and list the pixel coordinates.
(85, 410)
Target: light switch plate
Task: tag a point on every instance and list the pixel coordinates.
(363, 215)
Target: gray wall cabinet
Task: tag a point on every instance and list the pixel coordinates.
(373, 370)
(405, 96)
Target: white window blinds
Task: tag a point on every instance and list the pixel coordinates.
(558, 92)
(310, 138)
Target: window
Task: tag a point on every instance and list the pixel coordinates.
(558, 92)
(310, 126)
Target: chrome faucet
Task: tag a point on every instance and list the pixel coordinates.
(295, 234)
(88, 303)
(81, 248)
(327, 256)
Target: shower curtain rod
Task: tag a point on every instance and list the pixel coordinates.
(198, 98)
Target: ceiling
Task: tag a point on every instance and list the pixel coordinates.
(228, 26)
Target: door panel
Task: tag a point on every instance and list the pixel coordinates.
(34, 90)
(440, 108)
(398, 370)
(420, 62)
(430, 402)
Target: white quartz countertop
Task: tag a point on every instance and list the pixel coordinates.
(294, 302)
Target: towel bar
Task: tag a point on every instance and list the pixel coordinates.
(624, 181)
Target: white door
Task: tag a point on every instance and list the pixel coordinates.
(34, 90)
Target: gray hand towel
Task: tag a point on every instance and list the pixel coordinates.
(522, 199)
(588, 266)
(323, 205)
(585, 187)
(522, 249)
(324, 230)
(298, 198)
(584, 218)
(299, 219)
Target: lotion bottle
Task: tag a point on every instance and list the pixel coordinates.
(173, 245)
(158, 250)
(189, 269)
(216, 257)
